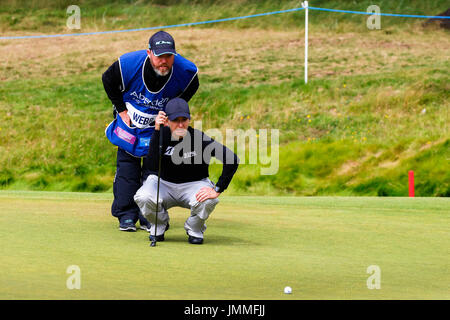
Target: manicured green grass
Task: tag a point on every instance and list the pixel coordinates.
(254, 247)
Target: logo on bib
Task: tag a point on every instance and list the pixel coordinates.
(122, 134)
(156, 104)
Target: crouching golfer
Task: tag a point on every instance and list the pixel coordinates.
(184, 182)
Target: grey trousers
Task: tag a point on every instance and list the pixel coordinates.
(175, 195)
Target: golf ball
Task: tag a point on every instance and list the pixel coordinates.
(288, 290)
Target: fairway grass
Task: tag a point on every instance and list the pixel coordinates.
(254, 247)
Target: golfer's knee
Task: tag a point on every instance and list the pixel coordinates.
(211, 203)
(144, 199)
(206, 207)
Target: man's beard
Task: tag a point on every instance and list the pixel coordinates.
(159, 72)
(162, 74)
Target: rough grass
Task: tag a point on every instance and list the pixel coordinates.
(254, 247)
(50, 15)
(378, 98)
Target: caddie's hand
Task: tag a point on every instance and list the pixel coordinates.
(125, 117)
(161, 119)
(206, 193)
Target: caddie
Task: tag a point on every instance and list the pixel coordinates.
(139, 85)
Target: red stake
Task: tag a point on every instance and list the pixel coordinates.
(411, 183)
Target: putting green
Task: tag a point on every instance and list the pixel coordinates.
(254, 247)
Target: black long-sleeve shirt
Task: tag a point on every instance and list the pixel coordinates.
(112, 82)
(188, 159)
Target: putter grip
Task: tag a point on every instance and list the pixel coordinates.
(161, 127)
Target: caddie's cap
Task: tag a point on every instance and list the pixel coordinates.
(162, 43)
(177, 107)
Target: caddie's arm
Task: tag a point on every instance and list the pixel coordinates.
(191, 89)
(125, 117)
(112, 82)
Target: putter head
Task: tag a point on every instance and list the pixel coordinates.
(153, 243)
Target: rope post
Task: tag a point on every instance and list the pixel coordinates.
(305, 6)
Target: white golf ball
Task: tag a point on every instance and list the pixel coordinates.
(288, 290)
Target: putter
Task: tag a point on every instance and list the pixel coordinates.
(159, 178)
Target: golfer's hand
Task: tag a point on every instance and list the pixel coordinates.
(206, 193)
(161, 119)
(125, 117)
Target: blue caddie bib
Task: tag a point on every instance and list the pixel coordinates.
(142, 104)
